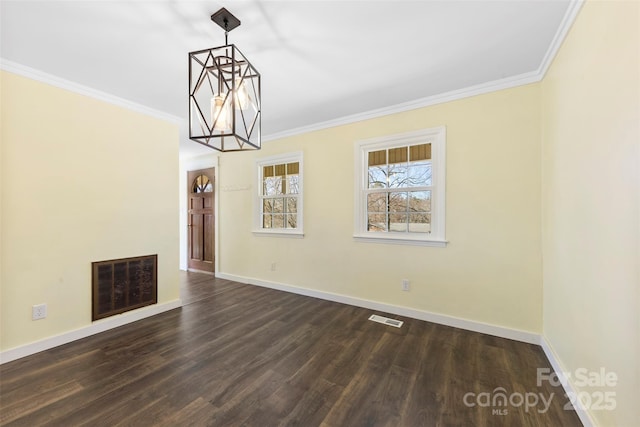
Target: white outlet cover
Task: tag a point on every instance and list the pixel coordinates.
(38, 311)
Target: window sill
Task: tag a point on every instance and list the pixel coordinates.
(395, 239)
(292, 234)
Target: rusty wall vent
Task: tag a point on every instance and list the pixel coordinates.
(125, 284)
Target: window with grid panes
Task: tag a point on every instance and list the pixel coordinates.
(400, 194)
(280, 194)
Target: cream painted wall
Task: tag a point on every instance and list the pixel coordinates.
(591, 212)
(82, 181)
(491, 270)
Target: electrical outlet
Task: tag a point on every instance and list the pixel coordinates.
(273, 266)
(405, 285)
(38, 311)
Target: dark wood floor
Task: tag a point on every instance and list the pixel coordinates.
(241, 355)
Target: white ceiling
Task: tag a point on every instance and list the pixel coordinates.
(319, 60)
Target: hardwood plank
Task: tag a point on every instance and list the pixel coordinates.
(47, 395)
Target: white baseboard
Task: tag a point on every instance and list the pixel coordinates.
(95, 328)
(583, 414)
(470, 325)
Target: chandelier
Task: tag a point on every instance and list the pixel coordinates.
(224, 94)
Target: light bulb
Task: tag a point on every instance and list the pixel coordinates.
(220, 116)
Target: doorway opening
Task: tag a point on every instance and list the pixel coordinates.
(201, 220)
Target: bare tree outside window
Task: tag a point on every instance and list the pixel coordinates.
(399, 189)
(280, 190)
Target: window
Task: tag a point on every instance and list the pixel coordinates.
(279, 204)
(400, 188)
(201, 185)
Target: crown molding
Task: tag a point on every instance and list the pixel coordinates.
(41, 76)
(522, 79)
(454, 95)
(567, 21)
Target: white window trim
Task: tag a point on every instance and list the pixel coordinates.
(257, 211)
(436, 238)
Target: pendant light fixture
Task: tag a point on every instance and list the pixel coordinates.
(224, 94)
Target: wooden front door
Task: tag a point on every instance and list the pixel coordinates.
(200, 220)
